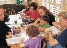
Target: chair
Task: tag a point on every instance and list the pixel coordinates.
(10, 11)
(44, 43)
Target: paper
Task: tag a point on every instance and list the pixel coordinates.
(13, 40)
(41, 34)
(53, 29)
(23, 35)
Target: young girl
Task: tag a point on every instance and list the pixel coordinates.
(34, 40)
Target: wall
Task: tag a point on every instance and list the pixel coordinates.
(13, 2)
(7, 2)
(65, 5)
(39, 2)
(25, 3)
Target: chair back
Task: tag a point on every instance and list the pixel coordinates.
(10, 11)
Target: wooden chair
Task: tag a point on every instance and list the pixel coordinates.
(10, 11)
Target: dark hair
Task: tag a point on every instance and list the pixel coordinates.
(1, 7)
(6, 19)
(45, 9)
(34, 5)
(45, 18)
(32, 31)
(42, 42)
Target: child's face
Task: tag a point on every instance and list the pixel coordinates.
(42, 22)
(31, 8)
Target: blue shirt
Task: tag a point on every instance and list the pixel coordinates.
(62, 38)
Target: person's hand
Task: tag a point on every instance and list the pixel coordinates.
(32, 19)
(27, 16)
(48, 30)
(36, 22)
(9, 35)
(21, 40)
(22, 14)
(24, 10)
(38, 19)
(42, 29)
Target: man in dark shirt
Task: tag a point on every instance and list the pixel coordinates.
(5, 31)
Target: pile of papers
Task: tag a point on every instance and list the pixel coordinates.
(13, 40)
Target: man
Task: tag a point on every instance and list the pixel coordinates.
(62, 38)
(5, 31)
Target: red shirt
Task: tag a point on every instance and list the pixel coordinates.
(35, 15)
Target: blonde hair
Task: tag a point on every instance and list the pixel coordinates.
(63, 14)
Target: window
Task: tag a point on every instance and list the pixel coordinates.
(58, 1)
(55, 6)
(4, 0)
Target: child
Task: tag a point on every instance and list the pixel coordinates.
(44, 22)
(34, 40)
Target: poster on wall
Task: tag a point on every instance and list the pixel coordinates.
(19, 2)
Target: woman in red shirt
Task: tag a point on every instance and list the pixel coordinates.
(33, 13)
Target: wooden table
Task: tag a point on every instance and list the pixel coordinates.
(14, 45)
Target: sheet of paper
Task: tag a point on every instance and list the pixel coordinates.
(23, 35)
(13, 40)
(53, 29)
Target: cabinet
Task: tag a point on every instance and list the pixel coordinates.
(13, 7)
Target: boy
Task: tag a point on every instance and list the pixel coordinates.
(44, 23)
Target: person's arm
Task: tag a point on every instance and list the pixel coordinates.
(55, 24)
(27, 13)
(2, 34)
(9, 35)
(52, 41)
(36, 22)
(21, 43)
(42, 29)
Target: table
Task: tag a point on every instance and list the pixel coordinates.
(16, 43)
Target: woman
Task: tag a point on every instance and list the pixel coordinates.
(44, 11)
(33, 13)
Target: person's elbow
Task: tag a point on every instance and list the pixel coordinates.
(53, 43)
